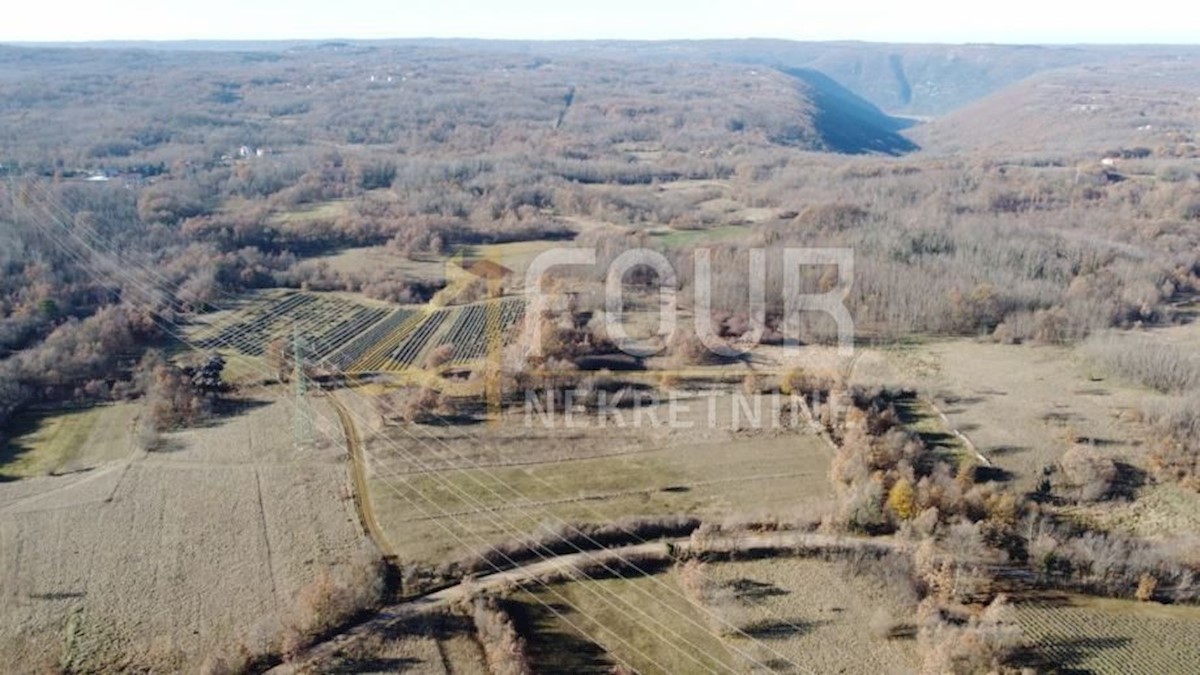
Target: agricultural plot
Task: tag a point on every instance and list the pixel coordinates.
(327, 323)
(451, 492)
(773, 615)
(152, 563)
(411, 349)
(365, 342)
(811, 612)
(357, 337)
(477, 327)
(1018, 404)
(403, 339)
(1096, 635)
(596, 627)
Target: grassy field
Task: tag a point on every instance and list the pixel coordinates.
(498, 481)
(140, 562)
(809, 612)
(514, 255)
(598, 626)
(1160, 510)
(327, 210)
(803, 616)
(63, 441)
(384, 258)
(1094, 635)
(684, 238)
(1020, 404)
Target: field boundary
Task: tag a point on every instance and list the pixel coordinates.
(564, 566)
(358, 478)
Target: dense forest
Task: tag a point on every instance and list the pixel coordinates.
(139, 186)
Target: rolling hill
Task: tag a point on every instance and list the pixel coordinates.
(108, 106)
(1144, 104)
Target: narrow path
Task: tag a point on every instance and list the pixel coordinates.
(358, 476)
(962, 438)
(266, 533)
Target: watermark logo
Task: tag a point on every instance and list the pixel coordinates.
(507, 355)
(795, 301)
(586, 408)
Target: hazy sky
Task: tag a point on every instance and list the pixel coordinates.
(1025, 21)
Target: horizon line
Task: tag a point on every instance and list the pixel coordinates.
(116, 42)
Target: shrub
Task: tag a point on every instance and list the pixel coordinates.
(1176, 453)
(686, 349)
(570, 537)
(439, 356)
(173, 398)
(1147, 585)
(414, 405)
(1090, 476)
(332, 597)
(982, 643)
(902, 500)
(669, 381)
(883, 624)
(503, 646)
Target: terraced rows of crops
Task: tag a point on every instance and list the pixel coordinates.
(357, 337)
(407, 354)
(403, 331)
(369, 340)
(475, 326)
(326, 322)
(1114, 636)
(401, 340)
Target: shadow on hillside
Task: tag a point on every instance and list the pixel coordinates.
(992, 474)
(848, 123)
(780, 629)
(911, 413)
(1066, 654)
(551, 648)
(751, 591)
(1003, 450)
(57, 595)
(11, 446)
(227, 410)
(375, 665)
(14, 439)
(439, 627)
(1129, 480)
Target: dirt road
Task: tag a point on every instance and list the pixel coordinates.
(358, 474)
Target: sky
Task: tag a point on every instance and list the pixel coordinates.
(999, 21)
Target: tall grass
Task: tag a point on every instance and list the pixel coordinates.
(1163, 367)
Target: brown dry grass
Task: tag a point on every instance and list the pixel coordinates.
(157, 562)
(1021, 405)
(383, 259)
(1113, 636)
(498, 480)
(800, 611)
(812, 613)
